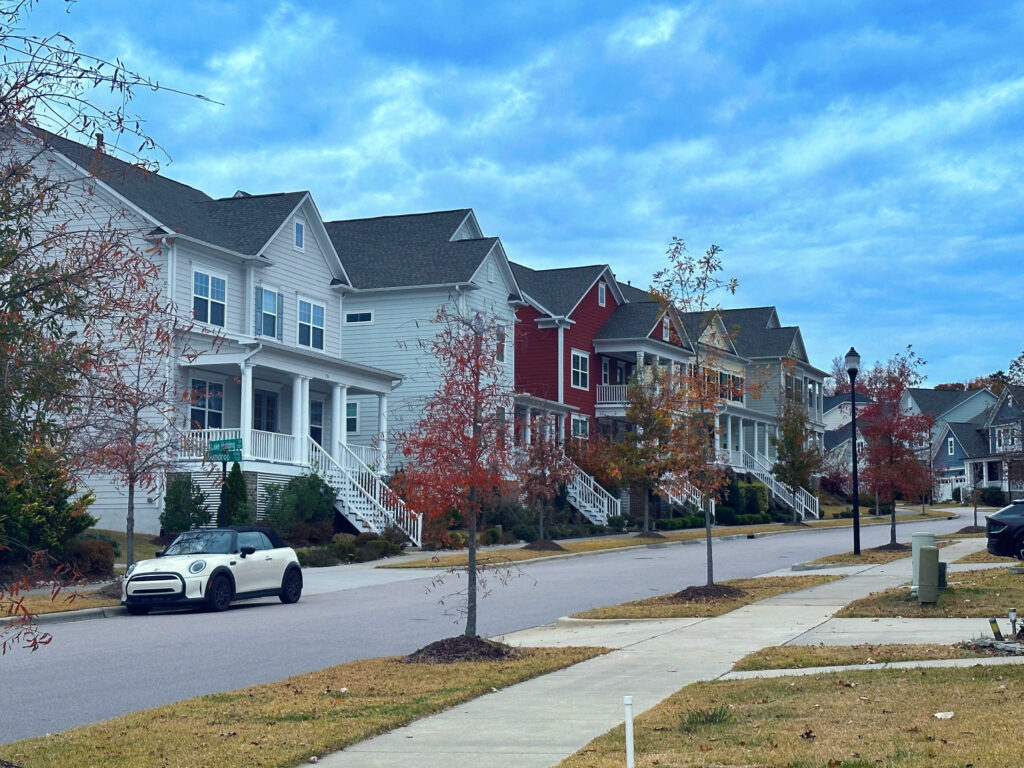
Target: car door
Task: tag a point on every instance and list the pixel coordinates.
(259, 570)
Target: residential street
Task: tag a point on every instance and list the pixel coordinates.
(101, 668)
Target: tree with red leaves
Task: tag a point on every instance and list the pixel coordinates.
(460, 449)
(894, 438)
(543, 469)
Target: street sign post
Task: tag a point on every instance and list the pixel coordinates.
(224, 451)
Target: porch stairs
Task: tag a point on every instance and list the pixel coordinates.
(364, 499)
(806, 503)
(592, 501)
(688, 494)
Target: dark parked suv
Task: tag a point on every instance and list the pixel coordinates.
(1005, 531)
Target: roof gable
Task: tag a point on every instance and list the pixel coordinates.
(557, 292)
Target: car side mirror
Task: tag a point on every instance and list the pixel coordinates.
(248, 551)
(160, 553)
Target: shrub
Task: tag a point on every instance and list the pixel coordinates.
(758, 519)
(526, 533)
(492, 535)
(957, 495)
(316, 557)
(376, 549)
(755, 498)
(725, 515)
(992, 497)
(92, 558)
(184, 505)
(343, 545)
(617, 523)
(236, 503)
(95, 535)
(395, 535)
(312, 533)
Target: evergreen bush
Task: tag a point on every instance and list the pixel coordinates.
(184, 506)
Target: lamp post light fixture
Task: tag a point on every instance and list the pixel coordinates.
(852, 363)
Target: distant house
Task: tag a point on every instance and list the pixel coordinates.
(944, 406)
(836, 409)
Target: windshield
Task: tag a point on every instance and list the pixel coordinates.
(201, 543)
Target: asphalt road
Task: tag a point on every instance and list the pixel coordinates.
(102, 668)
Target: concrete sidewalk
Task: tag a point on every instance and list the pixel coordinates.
(538, 723)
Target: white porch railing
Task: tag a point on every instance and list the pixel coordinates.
(806, 503)
(369, 455)
(197, 442)
(272, 446)
(689, 494)
(591, 499)
(367, 500)
(611, 393)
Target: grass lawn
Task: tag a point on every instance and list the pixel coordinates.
(144, 549)
(971, 594)
(285, 723)
(985, 557)
(841, 720)
(68, 600)
(665, 607)
(494, 556)
(804, 656)
(873, 556)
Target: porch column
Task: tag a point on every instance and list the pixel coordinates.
(339, 396)
(304, 436)
(766, 442)
(728, 435)
(297, 418)
(561, 428)
(245, 411)
(742, 446)
(382, 432)
(528, 428)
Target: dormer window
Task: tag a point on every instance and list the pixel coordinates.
(602, 292)
(300, 236)
(950, 447)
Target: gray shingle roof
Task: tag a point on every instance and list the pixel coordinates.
(632, 293)
(936, 402)
(836, 437)
(973, 440)
(242, 224)
(403, 251)
(557, 290)
(830, 402)
(756, 332)
(632, 321)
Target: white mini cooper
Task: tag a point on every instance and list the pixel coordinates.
(212, 567)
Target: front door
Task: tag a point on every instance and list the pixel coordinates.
(264, 410)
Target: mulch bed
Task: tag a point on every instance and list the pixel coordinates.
(461, 648)
(112, 590)
(545, 545)
(649, 535)
(706, 594)
(890, 547)
(5, 764)
(972, 529)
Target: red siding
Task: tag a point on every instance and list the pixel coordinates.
(673, 336)
(589, 317)
(536, 356)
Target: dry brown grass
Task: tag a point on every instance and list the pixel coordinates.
(983, 556)
(804, 656)
(68, 600)
(666, 607)
(873, 556)
(285, 723)
(843, 720)
(498, 556)
(977, 594)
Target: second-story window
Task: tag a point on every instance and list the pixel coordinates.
(209, 298)
(602, 293)
(359, 318)
(300, 236)
(311, 324)
(737, 389)
(268, 313)
(666, 332)
(499, 353)
(580, 369)
(604, 370)
(950, 449)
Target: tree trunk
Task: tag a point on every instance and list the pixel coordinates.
(540, 521)
(707, 539)
(471, 565)
(647, 501)
(130, 525)
(796, 512)
(892, 519)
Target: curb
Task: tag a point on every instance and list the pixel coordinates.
(60, 617)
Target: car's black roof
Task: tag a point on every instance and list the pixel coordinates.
(270, 533)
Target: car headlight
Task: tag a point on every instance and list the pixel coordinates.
(130, 569)
(197, 566)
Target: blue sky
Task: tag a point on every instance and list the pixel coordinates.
(858, 162)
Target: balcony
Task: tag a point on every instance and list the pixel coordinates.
(611, 394)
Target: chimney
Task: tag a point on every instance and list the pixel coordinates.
(99, 142)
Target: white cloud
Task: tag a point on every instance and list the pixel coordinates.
(639, 32)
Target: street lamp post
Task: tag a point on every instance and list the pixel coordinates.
(852, 367)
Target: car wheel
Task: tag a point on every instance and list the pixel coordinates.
(218, 597)
(138, 610)
(291, 587)
(1019, 549)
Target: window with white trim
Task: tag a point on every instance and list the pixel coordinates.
(316, 421)
(311, 324)
(352, 418)
(364, 317)
(580, 426)
(268, 313)
(209, 298)
(666, 333)
(604, 370)
(950, 448)
(502, 333)
(580, 369)
(207, 404)
(602, 293)
(299, 238)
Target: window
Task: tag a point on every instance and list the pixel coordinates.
(353, 318)
(316, 421)
(207, 404)
(268, 313)
(352, 418)
(602, 292)
(604, 370)
(209, 298)
(499, 353)
(254, 539)
(950, 447)
(300, 235)
(666, 329)
(737, 389)
(311, 324)
(580, 427)
(724, 385)
(264, 410)
(580, 369)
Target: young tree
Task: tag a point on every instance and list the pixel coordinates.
(460, 450)
(688, 284)
(893, 438)
(795, 460)
(184, 505)
(236, 504)
(543, 470)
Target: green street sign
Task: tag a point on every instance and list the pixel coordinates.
(225, 450)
